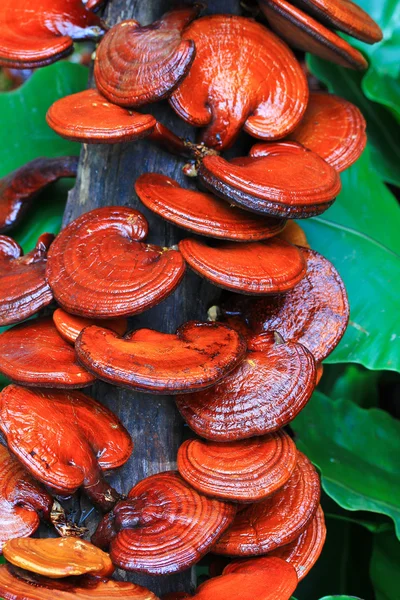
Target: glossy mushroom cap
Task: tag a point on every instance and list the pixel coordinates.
(202, 213)
(315, 313)
(22, 500)
(276, 521)
(196, 357)
(243, 76)
(40, 32)
(23, 286)
(287, 181)
(244, 471)
(164, 526)
(99, 266)
(266, 391)
(136, 65)
(34, 354)
(294, 234)
(65, 439)
(70, 326)
(19, 188)
(58, 557)
(259, 268)
(89, 118)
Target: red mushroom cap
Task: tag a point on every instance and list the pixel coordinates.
(202, 213)
(64, 439)
(19, 188)
(39, 33)
(22, 500)
(164, 526)
(98, 267)
(23, 286)
(287, 181)
(70, 326)
(302, 31)
(276, 521)
(196, 357)
(136, 65)
(243, 76)
(263, 394)
(34, 354)
(244, 471)
(88, 117)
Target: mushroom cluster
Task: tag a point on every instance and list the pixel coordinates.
(241, 489)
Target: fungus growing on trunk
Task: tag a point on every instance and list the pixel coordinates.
(70, 326)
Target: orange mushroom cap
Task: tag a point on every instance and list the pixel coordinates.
(266, 391)
(23, 286)
(243, 76)
(294, 234)
(164, 526)
(304, 32)
(196, 357)
(136, 65)
(243, 471)
(99, 267)
(19, 188)
(34, 354)
(40, 32)
(287, 181)
(202, 213)
(276, 521)
(22, 500)
(267, 267)
(65, 439)
(70, 326)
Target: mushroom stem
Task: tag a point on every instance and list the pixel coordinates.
(101, 493)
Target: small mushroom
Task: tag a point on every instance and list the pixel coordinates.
(136, 65)
(276, 521)
(196, 357)
(70, 326)
(89, 118)
(34, 354)
(294, 234)
(22, 500)
(23, 286)
(58, 557)
(315, 313)
(243, 76)
(304, 32)
(266, 391)
(287, 181)
(99, 267)
(253, 268)
(202, 213)
(40, 32)
(165, 526)
(19, 188)
(65, 440)
(244, 471)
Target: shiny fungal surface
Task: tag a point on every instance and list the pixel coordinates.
(70, 326)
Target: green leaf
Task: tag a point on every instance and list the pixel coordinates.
(351, 381)
(340, 598)
(385, 567)
(357, 452)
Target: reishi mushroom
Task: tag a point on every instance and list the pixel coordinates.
(294, 234)
(70, 326)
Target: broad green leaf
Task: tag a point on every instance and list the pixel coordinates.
(340, 598)
(356, 451)
(351, 381)
(372, 526)
(385, 567)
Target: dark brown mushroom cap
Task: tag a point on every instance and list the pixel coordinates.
(34, 354)
(22, 500)
(136, 65)
(64, 439)
(19, 188)
(196, 357)
(70, 326)
(244, 471)
(99, 267)
(257, 268)
(39, 34)
(243, 76)
(304, 32)
(315, 313)
(23, 286)
(164, 526)
(202, 213)
(276, 521)
(88, 117)
(266, 391)
(289, 181)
